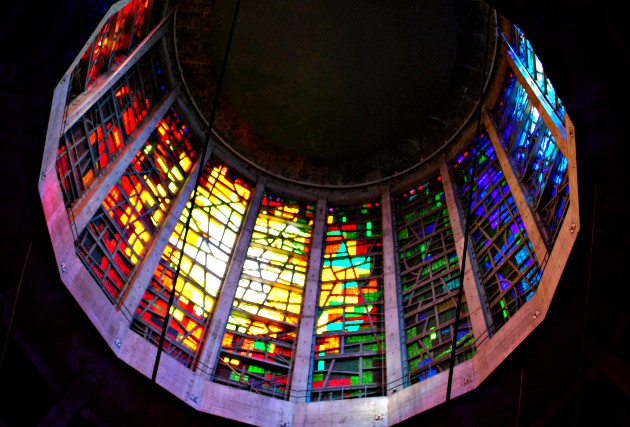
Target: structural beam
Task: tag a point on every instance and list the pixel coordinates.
(306, 332)
(474, 294)
(393, 315)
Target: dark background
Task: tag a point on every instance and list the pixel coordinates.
(574, 370)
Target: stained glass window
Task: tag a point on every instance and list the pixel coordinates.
(537, 162)
(429, 276)
(506, 264)
(220, 205)
(350, 342)
(259, 342)
(524, 51)
(117, 236)
(88, 147)
(115, 40)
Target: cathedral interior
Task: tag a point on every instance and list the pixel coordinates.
(572, 370)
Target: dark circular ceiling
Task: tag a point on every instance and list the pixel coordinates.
(334, 93)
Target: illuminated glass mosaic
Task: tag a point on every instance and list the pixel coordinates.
(221, 201)
(117, 236)
(538, 163)
(523, 49)
(506, 264)
(89, 146)
(257, 349)
(350, 342)
(148, 244)
(114, 41)
(429, 278)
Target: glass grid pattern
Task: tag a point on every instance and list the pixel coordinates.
(220, 205)
(429, 278)
(537, 162)
(89, 146)
(258, 345)
(117, 236)
(506, 264)
(350, 336)
(534, 67)
(257, 348)
(114, 42)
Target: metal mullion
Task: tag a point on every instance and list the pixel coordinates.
(501, 294)
(278, 342)
(505, 255)
(555, 200)
(179, 342)
(114, 37)
(511, 109)
(269, 282)
(547, 177)
(375, 330)
(99, 122)
(254, 244)
(72, 175)
(521, 124)
(287, 266)
(111, 265)
(532, 153)
(132, 28)
(111, 36)
(156, 296)
(105, 27)
(282, 220)
(139, 216)
(89, 151)
(117, 108)
(525, 170)
(251, 317)
(146, 89)
(416, 308)
(262, 305)
(91, 61)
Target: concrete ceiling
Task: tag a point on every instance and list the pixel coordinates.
(335, 93)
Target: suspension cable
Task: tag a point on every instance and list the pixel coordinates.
(198, 172)
(473, 177)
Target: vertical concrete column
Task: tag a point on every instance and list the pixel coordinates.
(210, 353)
(91, 200)
(525, 211)
(393, 340)
(474, 293)
(306, 329)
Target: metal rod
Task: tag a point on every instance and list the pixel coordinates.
(468, 216)
(194, 196)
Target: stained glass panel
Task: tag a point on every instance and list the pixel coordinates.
(506, 264)
(350, 342)
(220, 205)
(259, 342)
(117, 236)
(429, 274)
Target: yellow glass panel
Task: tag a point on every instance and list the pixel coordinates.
(177, 314)
(185, 162)
(198, 274)
(270, 314)
(160, 162)
(175, 175)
